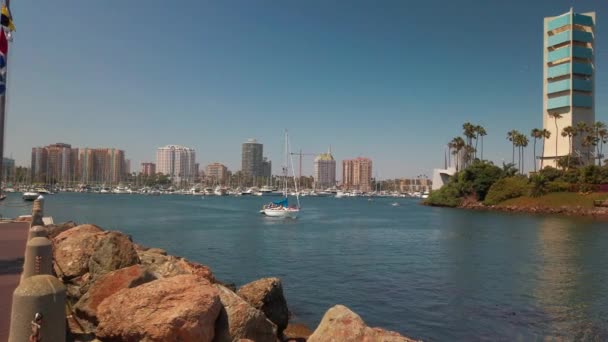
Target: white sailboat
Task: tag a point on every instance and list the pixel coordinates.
(282, 208)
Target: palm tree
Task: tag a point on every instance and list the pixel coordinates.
(511, 135)
(588, 142)
(555, 116)
(546, 134)
(600, 131)
(569, 132)
(521, 141)
(481, 132)
(457, 144)
(536, 134)
(469, 133)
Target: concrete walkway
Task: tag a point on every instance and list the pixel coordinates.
(13, 237)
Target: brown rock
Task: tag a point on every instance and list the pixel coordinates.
(181, 308)
(267, 295)
(108, 284)
(73, 248)
(238, 319)
(112, 252)
(296, 332)
(341, 324)
(165, 266)
(56, 229)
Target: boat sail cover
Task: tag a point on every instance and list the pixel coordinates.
(282, 202)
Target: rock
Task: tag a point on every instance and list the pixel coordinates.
(56, 229)
(112, 252)
(267, 295)
(165, 266)
(296, 332)
(341, 324)
(73, 248)
(108, 284)
(180, 308)
(157, 251)
(238, 319)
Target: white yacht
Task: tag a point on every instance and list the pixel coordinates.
(30, 195)
(220, 191)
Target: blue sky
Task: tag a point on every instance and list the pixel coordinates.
(390, 80)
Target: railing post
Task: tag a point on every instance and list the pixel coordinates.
(37, 212)
(38, 257)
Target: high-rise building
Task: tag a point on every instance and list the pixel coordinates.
(568, 80)
(148, 169)
(266, 168)
(325, 170)
(38, 165)
(357, 174)
(8, 169)
(252, 160)
(127, 168)
(59, 163)
(101, 165)
(178, 162)
(217, 172)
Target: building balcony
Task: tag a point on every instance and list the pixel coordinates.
(570, 51)
(567, 36)
(567, 84)
(579, 100)
(566, 19)
(585, 69)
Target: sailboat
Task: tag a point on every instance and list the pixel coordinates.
(282, 208)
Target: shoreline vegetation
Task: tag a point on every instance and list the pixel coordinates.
(118, 290)
(578, 187)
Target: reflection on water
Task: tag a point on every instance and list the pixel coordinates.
(431, 273)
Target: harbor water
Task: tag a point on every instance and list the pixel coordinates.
(428, 273)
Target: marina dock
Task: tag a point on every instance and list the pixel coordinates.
(13, 237)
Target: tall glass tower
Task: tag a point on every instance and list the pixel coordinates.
(568, 80)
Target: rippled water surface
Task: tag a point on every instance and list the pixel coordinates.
(430, 273)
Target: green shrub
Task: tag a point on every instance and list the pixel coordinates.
(505, 189)
(558, 186)
(550, 173)
(570, 176)
(481, 175)
(448, 196)
(538, 185)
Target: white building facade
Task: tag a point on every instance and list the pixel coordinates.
(177, 162)
(325, 170)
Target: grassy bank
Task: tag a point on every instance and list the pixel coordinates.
(556, 200)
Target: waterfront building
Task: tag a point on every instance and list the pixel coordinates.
(148, 169)
(38, 164)
(177, 162)
(568, 80)
(8, 169)
(418, 184)
(101, 165)
(127, 169)
(59, 163)
(266, 168)
(217, 172)
(251, 158)
(357, 174)
(325, 170)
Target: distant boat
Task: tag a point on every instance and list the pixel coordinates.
(395, 204)
(268, 191)
(30, 195)
(219, 191)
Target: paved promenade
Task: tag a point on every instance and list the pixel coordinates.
(13, 236)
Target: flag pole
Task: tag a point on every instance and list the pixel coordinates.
(3, 111)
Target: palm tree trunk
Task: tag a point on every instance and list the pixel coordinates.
(556, 134)
(476, 140)
(513, 158)
(523, 161)
(482, 147)
(542, 159)
(534, 154)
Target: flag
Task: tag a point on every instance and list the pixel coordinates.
(3, 54)
(6, 19)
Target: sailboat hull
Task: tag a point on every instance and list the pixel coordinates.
(281, 212)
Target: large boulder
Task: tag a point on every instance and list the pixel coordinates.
(267, 295)
(107, 285)
(341, 324)
(73, 248)
(238, 320)
(180, 308)
(56, 229)
(165, 266)
(112, 252)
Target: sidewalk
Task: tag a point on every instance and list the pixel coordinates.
(13, 236)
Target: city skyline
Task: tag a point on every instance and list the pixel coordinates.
(365, 96)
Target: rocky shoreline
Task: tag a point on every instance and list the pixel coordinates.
(572, 211)
(118, 290)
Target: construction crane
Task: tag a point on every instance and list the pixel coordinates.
(302, 154)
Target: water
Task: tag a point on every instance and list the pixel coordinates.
(429, 273)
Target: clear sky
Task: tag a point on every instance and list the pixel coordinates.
(390, 80)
